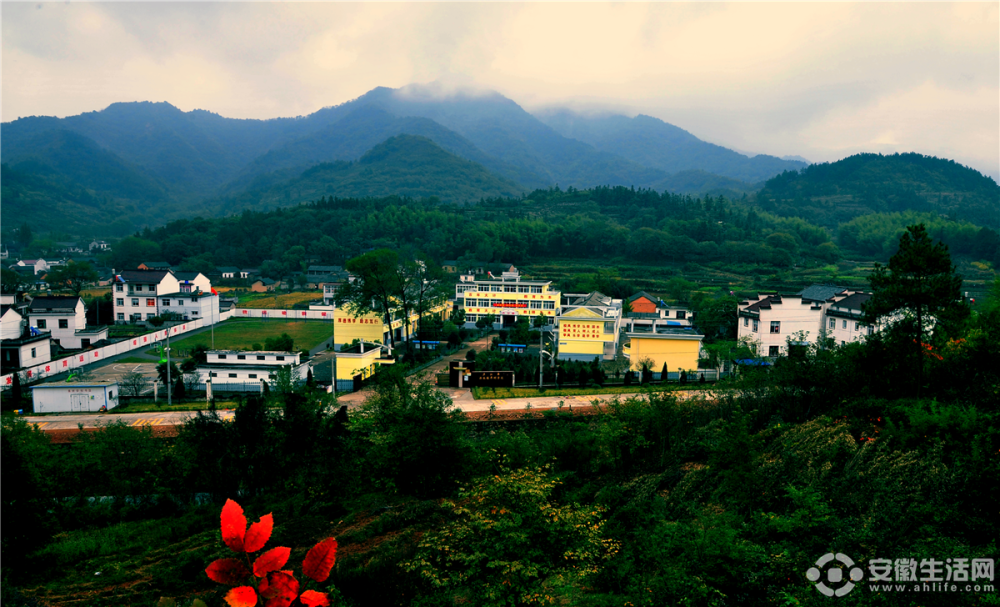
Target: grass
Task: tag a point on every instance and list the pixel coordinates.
(241, 334)
(490, 393)
(161, 407)
(278, 302)
(134, 359)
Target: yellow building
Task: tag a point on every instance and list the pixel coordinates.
(372, 328)
(506, 298)
(678, 348)
(588, 327)
(359, 362)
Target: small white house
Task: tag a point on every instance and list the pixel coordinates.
(73, 397)
(235, 367)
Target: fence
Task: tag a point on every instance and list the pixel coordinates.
(282, 314)
(82, 359)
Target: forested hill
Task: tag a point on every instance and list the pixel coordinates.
(832, 193)
(404, 165)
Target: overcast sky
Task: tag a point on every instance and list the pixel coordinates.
(818, 80)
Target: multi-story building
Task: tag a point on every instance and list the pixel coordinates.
(588, 326)
(65, 318)
(135, 293)
(506, 298)
(142, 294)
(21, 346)
(819, 311)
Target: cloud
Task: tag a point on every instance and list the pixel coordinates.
(787, 78)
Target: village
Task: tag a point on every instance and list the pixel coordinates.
(62, 364)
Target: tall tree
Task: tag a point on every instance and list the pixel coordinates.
(376, 286)
(75, 276)
(919, 287)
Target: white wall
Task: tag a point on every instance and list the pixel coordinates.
(10, 325)
(794, 316)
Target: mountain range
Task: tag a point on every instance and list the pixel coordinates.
(145, 163)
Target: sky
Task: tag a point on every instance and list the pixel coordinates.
(817, 80)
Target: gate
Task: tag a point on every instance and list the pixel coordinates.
(78, 402)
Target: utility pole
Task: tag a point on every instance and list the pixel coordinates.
(333, 345)
(169, 391)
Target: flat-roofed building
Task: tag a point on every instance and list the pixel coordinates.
(588, 326)
(506, 298)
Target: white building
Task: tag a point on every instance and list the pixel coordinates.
(20, 346)
(72, 397)
(65, 318)
(194, 298)
(135, 293)
(39, 266)
(235, 367)
(820, 311)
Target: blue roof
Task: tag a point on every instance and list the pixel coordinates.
(753, 362)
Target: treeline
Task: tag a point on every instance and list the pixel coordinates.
(601, 223)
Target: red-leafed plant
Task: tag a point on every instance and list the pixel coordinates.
(265, 577)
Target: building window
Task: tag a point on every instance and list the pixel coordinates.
(120, 301)
(681, 314)
(121, 316)
(844, 326)
(222, 357)
(166, 302)
(609, 327)
(135, 301)
(194, 313)
(32, 352)
(241, 357)
(496, 288)
(63, 323)
(138, 287)
(857, 326)
(548, 305)
(279, 358)
(510, 288)
(523, 289)
(253, 376)
(150, 315)
(775, 326)
(773, 351)
(535, 305)
(151, 303)
(471, 317)
(41, 324)
(536, 289)
(213, 374)
(180, 302)
(119, 288)
(232, 375)
(261, 357)
(833, 323)
(756, 325)
(746, 322)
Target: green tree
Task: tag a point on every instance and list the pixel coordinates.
(920, 286)
(376, 287)
(75, 276)
(24, 235)
(12, 281)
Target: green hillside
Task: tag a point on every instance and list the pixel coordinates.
(832, 193)
(405, 165)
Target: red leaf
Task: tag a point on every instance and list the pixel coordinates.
(311, 598)
(279, 588)
(320, 559)
(234, 525)
(258, 534)
(272, 560)
(228, 571)
(244, 596)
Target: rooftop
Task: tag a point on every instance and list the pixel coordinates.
(820, 292)
(53, 303)
(74, 384)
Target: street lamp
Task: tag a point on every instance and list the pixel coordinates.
(541, 354)
(333, 346)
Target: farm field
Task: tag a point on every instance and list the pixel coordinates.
(240, 334)
(270, 301)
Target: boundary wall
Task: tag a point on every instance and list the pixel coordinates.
(82, 359)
